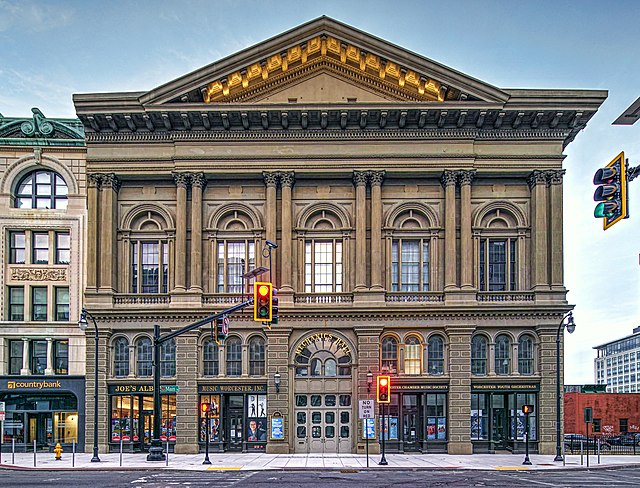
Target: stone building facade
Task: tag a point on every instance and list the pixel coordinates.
(418, 217)
(42, 221)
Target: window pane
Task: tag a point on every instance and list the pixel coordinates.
(234, 357)
(62, 304)
(16, 303)
(63, 248)
(61, 357)
(121, 357)
(502, 355)
(40, 248)
(39, 303)
(17, 248)
(144, 356)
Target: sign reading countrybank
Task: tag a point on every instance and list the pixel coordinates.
(37, 385)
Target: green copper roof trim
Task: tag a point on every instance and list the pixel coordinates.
(41, 131)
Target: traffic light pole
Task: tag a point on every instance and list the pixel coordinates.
(384, 430)
(526, 461)
(206, 437)
(156, 452)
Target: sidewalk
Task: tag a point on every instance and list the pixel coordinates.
(262, 461)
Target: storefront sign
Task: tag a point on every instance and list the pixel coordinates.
(38, 383)
(326, 337)
(506, 387)
(232, 388)
(419, 387)
(124, 389)
(277, 426)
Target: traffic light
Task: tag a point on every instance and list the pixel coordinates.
(274, 307)
(611, 192)
(222, 329)
(527, 409)
(262, 296)
(383, 389)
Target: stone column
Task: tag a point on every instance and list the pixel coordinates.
(555, 216)
(466, 243)
(187, 397)
(287, 180)
(376, 229)
(360, 181)
(94, 181)
(49, 369)
(538, 184)
(278, 401)
(104, 412)
(182, 181)
(368, 360)
(198, 182)
(271, 180)
(547, 395)
(450, 272)
(108, 237)
(25, 357)
(459, 399)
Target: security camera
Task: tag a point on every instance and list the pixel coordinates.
(272, 245)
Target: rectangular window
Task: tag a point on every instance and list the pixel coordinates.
(409, 265)
(149, 267)
(323, 266)
(17, 247)
(63, 248)
(62, 303)
(39, 303)
(498, 264)
(40, 242)
(61, 357)
(16, 303)
(436, 429)
(38, 357)
(624, 426)
(234, 259)
(15, 356)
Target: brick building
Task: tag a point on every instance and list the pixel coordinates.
(613, 413)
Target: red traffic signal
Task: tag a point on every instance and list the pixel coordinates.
(262, 296)
(383, 389)
(527, 409)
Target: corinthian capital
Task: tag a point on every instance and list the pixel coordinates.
(537, 177)
(270, 179)
(554, 176)
(466, 176)
(449, 178)
(110, 180)
(287, 178)
(360, 178)
(95, 180)
(376, 177)
(198, 180)
(182, 179)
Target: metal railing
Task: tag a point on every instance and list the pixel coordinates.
(606, 444)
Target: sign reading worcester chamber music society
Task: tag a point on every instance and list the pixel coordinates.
(324, 337)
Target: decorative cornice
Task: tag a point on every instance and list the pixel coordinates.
(41, 131)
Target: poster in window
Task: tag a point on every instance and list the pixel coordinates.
(520, 426)
(389, 428)
(256, 429)
(442, 429)
(369, 429)
(475, 423)
(431, 428)
(277, 428)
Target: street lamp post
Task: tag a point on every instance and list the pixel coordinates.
(571, 326)
(83, 324)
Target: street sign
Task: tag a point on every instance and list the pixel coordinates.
(366, 409)
(2, 412)
(169, 388)
(225, 325)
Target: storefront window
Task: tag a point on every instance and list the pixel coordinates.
(168, 422)
(121, 425)
(214, 418)
(436, 416)
(390, 425)
(479, 416)
(65, 426)
(257, 418)
(517, 423)
(128, 425)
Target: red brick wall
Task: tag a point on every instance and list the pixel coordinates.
(608, 407)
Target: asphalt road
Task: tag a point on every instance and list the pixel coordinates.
(345, 478)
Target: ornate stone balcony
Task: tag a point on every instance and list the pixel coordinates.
(414, 297)
(125, 299)
(224, 298)
(315, 298)
(508, 296)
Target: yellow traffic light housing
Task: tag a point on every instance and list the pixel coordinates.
(262, 301)
(383, 390)
(611, 192)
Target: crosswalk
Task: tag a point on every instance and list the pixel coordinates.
(192, 479)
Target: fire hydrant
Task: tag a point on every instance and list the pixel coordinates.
(58, 451)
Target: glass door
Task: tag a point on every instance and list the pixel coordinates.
(410, 423)
(146, 425)
(40, 429)
(499, 422)
(235, 432)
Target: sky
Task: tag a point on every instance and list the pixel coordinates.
(50, 50)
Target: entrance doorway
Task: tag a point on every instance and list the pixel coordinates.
(40, 429)
(411, 423)
(146, 426)
(235, 424)
(323, 423)
(500, 423)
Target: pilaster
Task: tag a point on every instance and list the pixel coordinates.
(287, 180)
(360, 182)
(554, 178)
(466, 243)
(271, 182)
(198, 182)
(278, 401)
(450, 259)
(187, 408)
(376, 178)
(547, 397)
(459, 400)
(368, 360)
(538, 184)
(108, 224)
(182, 181)
(93, 235)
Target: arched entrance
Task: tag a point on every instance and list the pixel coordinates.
(323, 394)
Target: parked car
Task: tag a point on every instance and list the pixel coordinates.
(572, 443)
(628, 439)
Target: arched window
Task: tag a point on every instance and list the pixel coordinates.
(168, 359)
(479, 355)
(435, 352)
(210, 358)
(412, 356)
(234, 357)
(330, 367)
(323, 355)
(144, 352)
(525, 355)
(42, 189)
(256, 357)
(121, 357)
(503, 355)
(390, 354)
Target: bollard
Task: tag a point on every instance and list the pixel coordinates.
(167, 458)
(34, 453)
(564, 454)
(120, 451)
(13, 450)
(598, 447)
(73, 453)
(581, 454)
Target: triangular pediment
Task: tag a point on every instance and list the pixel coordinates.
(323, 61)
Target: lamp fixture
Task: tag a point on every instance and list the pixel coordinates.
(276, 380)
(369, 380)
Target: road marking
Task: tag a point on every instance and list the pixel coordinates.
(224, 468)
(511, 468)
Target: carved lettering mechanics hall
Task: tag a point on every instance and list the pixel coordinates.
(417, 214)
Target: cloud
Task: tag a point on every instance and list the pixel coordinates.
(35, 90)
(29, 16)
